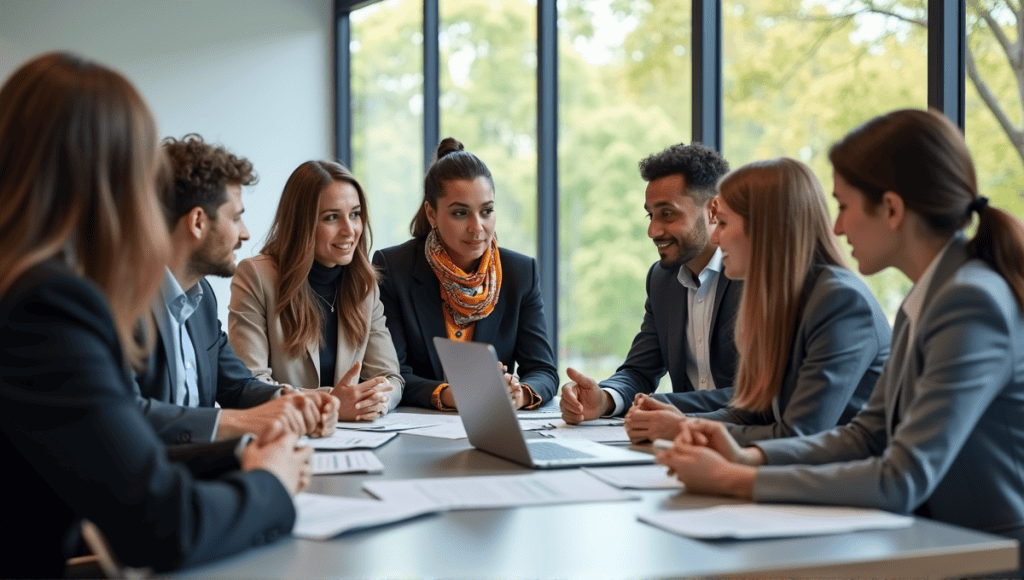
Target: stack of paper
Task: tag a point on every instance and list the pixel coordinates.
(342, 439)
(398, 421)
(321, 517)
(610, 434)
(499, 491)
(769, 521)
(346, 462)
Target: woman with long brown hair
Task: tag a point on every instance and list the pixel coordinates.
(810, 337)
(452, 280)
(82, 250)
(941, 435)
(307, 311)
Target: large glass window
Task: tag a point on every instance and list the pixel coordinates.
(624, 83)
(995, 98)
(488, 84)
(799, 74)
(387, 114)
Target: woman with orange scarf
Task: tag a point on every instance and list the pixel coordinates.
(452, 280)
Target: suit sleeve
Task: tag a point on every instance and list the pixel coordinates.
(644, 365)
(247, 322)
(236, 386)
(70, 415)
(175, 423)
(534, 357)
(713, 403)
(839, 345)
(966, 355)
(380, 359)
(417, 389)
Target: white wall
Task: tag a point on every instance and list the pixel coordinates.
(254, 76)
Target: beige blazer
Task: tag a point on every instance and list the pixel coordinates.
(257, 338)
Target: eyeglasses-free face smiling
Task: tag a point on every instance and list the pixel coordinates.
(339, 225)
(678, 226)
(872, 242)
(731, 236)
(464, 219)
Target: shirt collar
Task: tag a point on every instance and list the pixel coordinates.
(179, 304)
(714, 267)
(914, 302)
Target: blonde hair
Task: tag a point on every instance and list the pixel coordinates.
(786, 219)
(291, 243)
(81, 160)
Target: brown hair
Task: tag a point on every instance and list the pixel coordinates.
(78, 148)
(201, 173)
(922, 157)
(786, 219)
(292, 244)
(451, 163)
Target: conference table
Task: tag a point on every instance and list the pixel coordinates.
(589, 540)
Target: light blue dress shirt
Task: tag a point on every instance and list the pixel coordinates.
(177, 305)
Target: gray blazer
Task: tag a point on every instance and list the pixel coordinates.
(943, 431)
(841, 342)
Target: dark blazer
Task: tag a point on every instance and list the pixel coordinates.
(660, 345)
(838, 349)
(411, 295)
(80, 448)
(943, 430)
(223, 378)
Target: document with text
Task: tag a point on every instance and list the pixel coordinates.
(346, 462)
(610, 434)
(750, 521)
(321, 517)
(499, 491)
(342, 439)
(399, 421)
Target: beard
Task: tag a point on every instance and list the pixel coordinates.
(688, 247)
(212, 259)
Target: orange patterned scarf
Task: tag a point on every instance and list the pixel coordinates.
(466, 297)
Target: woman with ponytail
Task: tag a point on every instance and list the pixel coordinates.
(811, 338)
(452, 280)
(306, 311)
(942, 435)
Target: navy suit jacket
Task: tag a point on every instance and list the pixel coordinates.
(660, 345)
(223, 378)
(411, 295)
(80, 448)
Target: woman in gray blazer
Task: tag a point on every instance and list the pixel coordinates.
(942, 434)
(810, 336)
(306, 311)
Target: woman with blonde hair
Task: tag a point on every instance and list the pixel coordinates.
(82, 250)
(810, 338)
(307, 311)
(452, 280)
(941, 435)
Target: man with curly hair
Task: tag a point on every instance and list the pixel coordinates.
(687, 328)
(193, 367)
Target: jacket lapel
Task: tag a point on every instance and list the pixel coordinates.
(426, 297)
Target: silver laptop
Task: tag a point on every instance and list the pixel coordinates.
(485, 406)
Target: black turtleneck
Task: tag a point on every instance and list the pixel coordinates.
(326, 283)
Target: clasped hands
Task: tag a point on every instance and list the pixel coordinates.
(363, 401)
(706, 458)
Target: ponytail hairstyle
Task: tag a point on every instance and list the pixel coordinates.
(786, 219)
(292, 244)
(81, 163)
(922, 157)
(451, 163)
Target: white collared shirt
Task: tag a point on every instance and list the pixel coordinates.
(914, 302)
(172, 311)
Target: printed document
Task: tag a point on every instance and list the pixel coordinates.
(321, 517)
(611, 434)
(399, 421)
(636, 477)
(343, 439)
(751, 521)
(499, 491)
(346, 462)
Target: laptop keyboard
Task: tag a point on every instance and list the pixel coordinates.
(549, 450)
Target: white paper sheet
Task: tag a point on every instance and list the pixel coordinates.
(398, 421)
(537, 424)
(346, 462)
(539, 414)
(636, 477)
(610, 434)
(343, 439)
(751, 521)
(453, 430)
(499, 491)
(321, 517)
